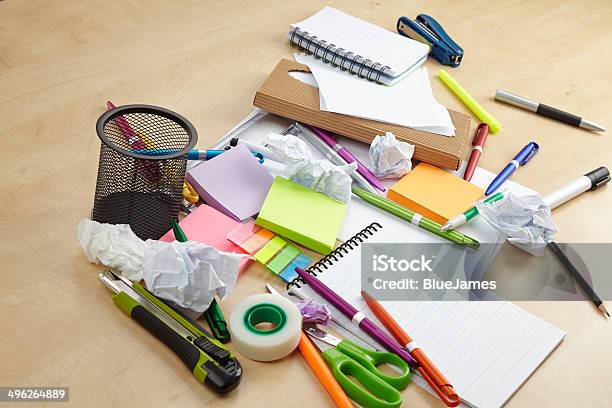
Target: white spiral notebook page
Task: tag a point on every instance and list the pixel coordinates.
(485, 349)
(365, 39)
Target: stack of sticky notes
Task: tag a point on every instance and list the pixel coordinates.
(210, 227)
(302, 215)
(234, 183)
(434, 193)
(280, 257)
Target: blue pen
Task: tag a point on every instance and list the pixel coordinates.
(194, 154)
(520, 159)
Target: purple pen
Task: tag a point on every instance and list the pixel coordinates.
(357, 317)
(149, 168)
(348, 157)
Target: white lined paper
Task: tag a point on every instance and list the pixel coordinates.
(485, 349)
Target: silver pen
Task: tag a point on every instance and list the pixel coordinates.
(545, 110)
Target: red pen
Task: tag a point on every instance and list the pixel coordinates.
(482, 131)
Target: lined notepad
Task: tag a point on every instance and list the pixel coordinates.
(485, 349)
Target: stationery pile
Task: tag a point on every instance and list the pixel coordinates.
(328, 159)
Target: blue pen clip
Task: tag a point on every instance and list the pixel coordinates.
(534, 149)
(427, 30)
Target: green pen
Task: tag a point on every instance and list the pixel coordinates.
(416, 219)
(459, 220)
(178, 232)
(213, 315)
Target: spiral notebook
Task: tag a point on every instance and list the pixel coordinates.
(485, 349)
(357, 46)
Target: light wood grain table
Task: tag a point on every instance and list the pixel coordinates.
(61, 60)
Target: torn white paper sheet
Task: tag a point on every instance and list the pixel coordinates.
(189, 274)
(115, 246)
(319, 175)
(526, 221)
(408, 103)
(389, 157)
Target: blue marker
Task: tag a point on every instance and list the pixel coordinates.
(520, 159)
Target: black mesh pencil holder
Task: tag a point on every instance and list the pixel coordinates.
(142, 168)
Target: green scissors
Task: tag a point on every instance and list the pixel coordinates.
(345, 358)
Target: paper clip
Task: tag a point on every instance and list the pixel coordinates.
(427, 30)
(189, 193)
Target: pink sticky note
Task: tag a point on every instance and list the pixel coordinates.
(243, 232)
(234, 183)
(210, 227)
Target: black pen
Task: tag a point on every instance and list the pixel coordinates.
(546, 110)
(579, 278)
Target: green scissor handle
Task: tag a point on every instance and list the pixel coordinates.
(371, 391)
(371, 359)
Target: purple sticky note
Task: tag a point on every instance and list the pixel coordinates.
(234, 183)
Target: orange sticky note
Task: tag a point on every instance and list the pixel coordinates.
(434, 193)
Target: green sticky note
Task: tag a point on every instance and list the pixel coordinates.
(302, 215)
(283, 259)
(270, 249)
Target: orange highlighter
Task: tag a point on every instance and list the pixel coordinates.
(319, 367)
(427, 369)
(323, 374)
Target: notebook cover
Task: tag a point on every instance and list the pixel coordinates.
(434, 193)
(300, 214)
(286, 96)
(234, 183)
(210, 227)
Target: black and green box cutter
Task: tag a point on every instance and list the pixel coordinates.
(209, 361)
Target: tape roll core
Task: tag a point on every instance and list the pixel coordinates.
(265, 313)
(260, 344)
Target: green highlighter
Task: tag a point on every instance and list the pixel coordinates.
(459, 220)
(416, 219)
(213, 315)
(210, 362)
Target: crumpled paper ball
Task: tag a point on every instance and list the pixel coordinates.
(389, 157)
(189, 273)
(313, 312)
(526, 221)
(319, 175)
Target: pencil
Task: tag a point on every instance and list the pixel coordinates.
(590, 292)
(427, 369)
(322, 372)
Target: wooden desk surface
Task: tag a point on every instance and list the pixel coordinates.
(60, 62)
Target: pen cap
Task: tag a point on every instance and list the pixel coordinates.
(143, 156)
(482, 131)
(598, 177)
(527, 153)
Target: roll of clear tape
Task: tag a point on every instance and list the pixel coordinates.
(265, 344)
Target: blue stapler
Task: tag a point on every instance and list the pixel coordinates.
(427, 30)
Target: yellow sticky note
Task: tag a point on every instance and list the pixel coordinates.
(434, 193)
(300, 214)
(270, 249)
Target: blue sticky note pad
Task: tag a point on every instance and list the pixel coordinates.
(289, 273)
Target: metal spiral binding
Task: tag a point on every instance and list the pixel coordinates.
(338, 253)
(357, 64)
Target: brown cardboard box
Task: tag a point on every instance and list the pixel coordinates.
(286, 96)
